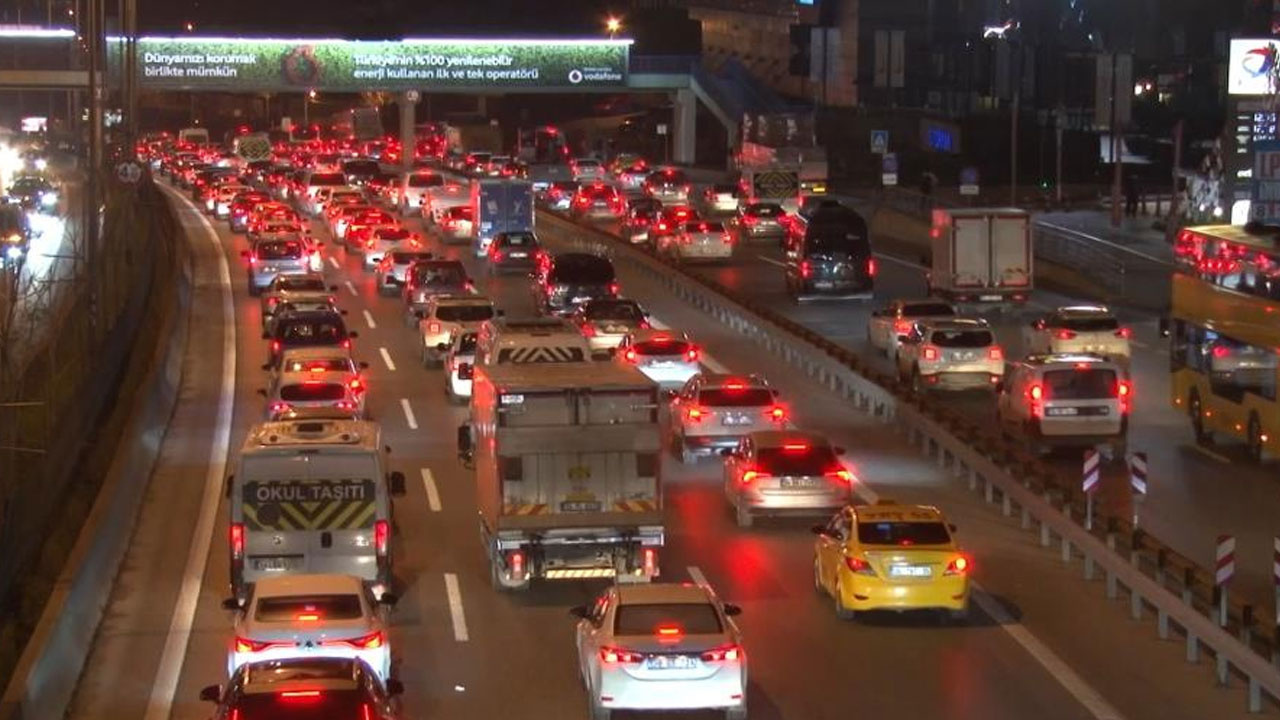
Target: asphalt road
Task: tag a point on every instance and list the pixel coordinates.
(1041, 643)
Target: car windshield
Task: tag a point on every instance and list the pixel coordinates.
(361, 167)
(329, 704)
(763, 210)
(522, 240)
(404, 258)
(799, 458)
(439, 275)
(1080, 384)
(313, 392)
(735, 397)
(667, 346)
(464, 313)
(425, 180)
(279, 250)
(928, 310)
(613, 311)
(687, 618)
(602, 192)
(582, 269)
(962, 338)
(393, 234)
(721, 189)
(1100, 323)
(880, 532)
(300, 332)
(301, 284)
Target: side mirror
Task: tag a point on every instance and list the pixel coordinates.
(732, 610)
(579, 611)
(352, 333)
(244, 254)
(500, 313)
(386, 449)
(465, 448)
(232, 604)
(396, 482)
(395, 687)
(229, 484)
(211, 693)
(389, 599)
(818, 529)
(333, 288)
(1000, 386)
(838, 450)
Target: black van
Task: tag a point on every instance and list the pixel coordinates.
(829, 255)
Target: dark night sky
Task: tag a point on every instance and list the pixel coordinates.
(375, 18)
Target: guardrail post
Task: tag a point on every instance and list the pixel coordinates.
(1255, 695)
(973, 479)
(1088, 566)
(1246, 625)
(1026, 518)
(1135, 559)
(1193, 644)
(988, 490)
(1006, 504)
(1045, 539)
(1112, 589)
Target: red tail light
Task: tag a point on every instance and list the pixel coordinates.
(929, 353)
(237, 541)
(957, 566)
(691, 354)
(995, 353)
(751, 476)
(1124, 390)
(515, 561)
(612, 655)
(1035, 393)
(806, 269)
(902, 327)
(650, 561)
(372, 641)
(727, 653)
(381, 537)
(871, 266)
(1064, 334)
(245, 645)
(614, 288)
(694, 414)
(1125, 333)
(841, 474)
(588, 330)
(355, 385)
(859, 566)
(749, 220)
(346, 344)
(300, 696)
(777, 413)
(629, 355)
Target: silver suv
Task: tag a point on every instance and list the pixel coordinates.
(1067, 400)
(714, 411)
(958, 354)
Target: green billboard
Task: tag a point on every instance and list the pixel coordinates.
(351, 65)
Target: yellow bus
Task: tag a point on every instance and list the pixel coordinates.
(1224, 326)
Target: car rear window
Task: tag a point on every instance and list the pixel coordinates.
(421, 180)
(302, 284)
(333, 364)
(1080, 384)
(328, 705)
(393, 234)
(661, 347)
(880, 532)
(312, 331)
(962, 338)
(464, 313)
(581, 269)
(735, 397)
(613, 311)
(404, 258)
(721, 189)
(461, 212)
(313, 392)
(603, 192)
(326, 607)
(516, 240)
(687, 618)
(703, 227)
(835, 238)
(668, 177)
(451, 274)
(797, 459)
(928, 310)
(327, 179)
(1088, 324)
(361, 167)
(279, 250)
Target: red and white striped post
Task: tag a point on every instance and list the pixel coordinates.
(1091, 477)
(1224, 568)
(1275, 573)
(1137, 480)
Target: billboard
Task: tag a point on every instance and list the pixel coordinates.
(1251, 67)
(230, 64)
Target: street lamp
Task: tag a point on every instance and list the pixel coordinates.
(306, 106)
(613, 25)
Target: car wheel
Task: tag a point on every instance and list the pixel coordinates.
(742, 514)
(959, 617)
(737, 713)
(1203, 435)
(842, 612)
(1255, 438)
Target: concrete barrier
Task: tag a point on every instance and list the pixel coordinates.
(45, 679)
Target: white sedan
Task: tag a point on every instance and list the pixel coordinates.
(697, 240)
(665, 357)
(665, 646)
(293, 616)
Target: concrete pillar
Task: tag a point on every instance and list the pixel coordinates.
(408, 117)
(482, 106)
(684, 134)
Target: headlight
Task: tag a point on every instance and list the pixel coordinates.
(48, 198)
(13, 252)
(42, 164)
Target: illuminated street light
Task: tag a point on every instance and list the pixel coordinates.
(613, 25)
(190, 26)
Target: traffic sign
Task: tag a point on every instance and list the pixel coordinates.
(889, 169)
(969, 181)
(1224, 560)
(1138, 472)
(661, 129)
(879, 142)
(129, 172)
(776, 184)
(413, 96)
(1092, 470)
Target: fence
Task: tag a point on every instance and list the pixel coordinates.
(1122, 271)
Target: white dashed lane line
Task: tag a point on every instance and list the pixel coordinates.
(455, 607)
(433, 493)
(352, 289)
(368, 318)
(334, 262)
(408, 414)
(386, 358)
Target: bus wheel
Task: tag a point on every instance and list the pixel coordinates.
(1255, 438)
(1203, 436)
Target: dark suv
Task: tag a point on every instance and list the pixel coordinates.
(426, 278)
(308, 328)
(571, 279)
(829, 256)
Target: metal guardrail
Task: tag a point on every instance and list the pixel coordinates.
(1117, 268)
(1155, 577)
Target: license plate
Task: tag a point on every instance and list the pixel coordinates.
(910, 571)
(276, 564)
(823, 285)
(661, 364)
(671, 662)
(519, 254)
(735, 420)
(990, 298)
(580, 506)
(581, 299)
(1060, 411)
(803, 482)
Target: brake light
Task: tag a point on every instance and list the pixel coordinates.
(1035, 393)
(381, 536)
(650, 561)
(1220, 351)
(929, 353)
(300, 695)
(237, 541)
(695, 414)
(841, 475)
(751, 476)
(275, 346)
(346, 344)
(749, 220)
(858, 565)
(1124, 333)
(629, 355)
(727, 653)
(777, 413)
(588, 330)
(614, 288)
(1064, 334)
(355, 385)
(995, 353)
(691, 354)
(307, 617)
(515, 560)
(871, 266)
(957, 566)
(372, 641)
(245, 645)
(806, 269)
(669, 631)
(902, 327)
(796, 447)
(612, 655)
(1125, 392)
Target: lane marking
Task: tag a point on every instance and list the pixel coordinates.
(408, 414)
(352, 289)
(899, 261)
(1210, 454)
(334, 262)
(165, 685)
(455, 607)
(386, 358)
(698, 577)
(771, 261)
(368, 318)
(433, 493)
(1055, 666)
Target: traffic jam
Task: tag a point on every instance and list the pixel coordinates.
(576, 396)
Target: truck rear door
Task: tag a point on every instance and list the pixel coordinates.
(1010, 251)
(971, 259)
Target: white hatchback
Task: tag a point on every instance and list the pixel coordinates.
(1079, 329)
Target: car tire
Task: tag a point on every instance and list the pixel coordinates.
(738, 713)
(842, 612)
(1202, 435)
(742, 515)
(959, 617)
(1254, 439)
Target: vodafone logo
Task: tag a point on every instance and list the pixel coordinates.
(575, 76)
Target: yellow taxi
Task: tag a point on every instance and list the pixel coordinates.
(890, 556)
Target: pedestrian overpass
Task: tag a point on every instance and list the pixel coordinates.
(408, 68)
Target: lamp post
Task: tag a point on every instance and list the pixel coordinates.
(613, 25)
